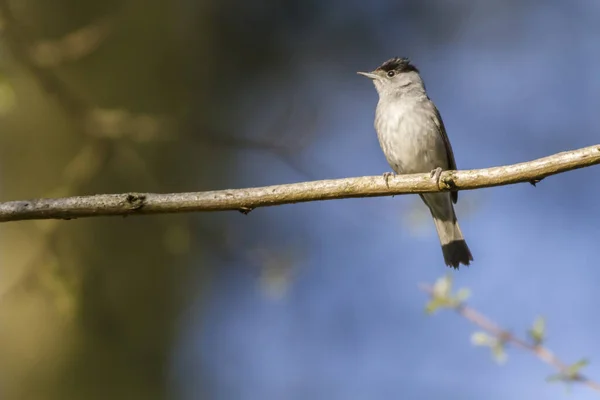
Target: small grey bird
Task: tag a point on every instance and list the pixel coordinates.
(413, 138)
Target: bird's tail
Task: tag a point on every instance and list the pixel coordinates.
(454, 247)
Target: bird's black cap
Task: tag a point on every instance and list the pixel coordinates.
(399, 64)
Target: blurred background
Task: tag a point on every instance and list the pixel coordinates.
(307, 301)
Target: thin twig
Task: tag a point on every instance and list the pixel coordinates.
(245, 200)
(540, 351)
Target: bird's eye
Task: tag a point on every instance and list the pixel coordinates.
(391, 74)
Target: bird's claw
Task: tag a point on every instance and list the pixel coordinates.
(386, 177)
(435, 175)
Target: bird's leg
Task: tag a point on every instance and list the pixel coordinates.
(435, 175)
(386, 177)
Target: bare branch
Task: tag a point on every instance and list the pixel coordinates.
(245, 200)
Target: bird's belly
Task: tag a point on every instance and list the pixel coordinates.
(412, 145)
(409, 157)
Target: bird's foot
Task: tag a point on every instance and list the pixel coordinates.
(435, 176)
(386, 177)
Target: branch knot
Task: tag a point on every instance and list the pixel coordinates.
(136, 200)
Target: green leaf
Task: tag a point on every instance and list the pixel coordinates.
(443, 287)
(573, 371)
(570, 374)
(442, 297)
(433, 305)
(482, 339)
(498, 352)
(462, 295)
(555, 378)
(538, 331)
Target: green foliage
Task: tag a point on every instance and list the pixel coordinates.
(538, 331)
(496, 345)
(442, 296)
(571, 374)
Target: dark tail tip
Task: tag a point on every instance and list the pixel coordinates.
(457, 252)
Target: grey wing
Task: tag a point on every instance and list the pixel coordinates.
(449, 153)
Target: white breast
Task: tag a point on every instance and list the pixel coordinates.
(409, 135)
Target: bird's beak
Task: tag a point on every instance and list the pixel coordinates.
(369, 75)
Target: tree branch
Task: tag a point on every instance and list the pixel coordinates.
(245, 200)
(567, 373)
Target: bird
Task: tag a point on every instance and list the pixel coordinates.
(413, 138)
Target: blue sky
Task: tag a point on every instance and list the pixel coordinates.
(349, 323)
